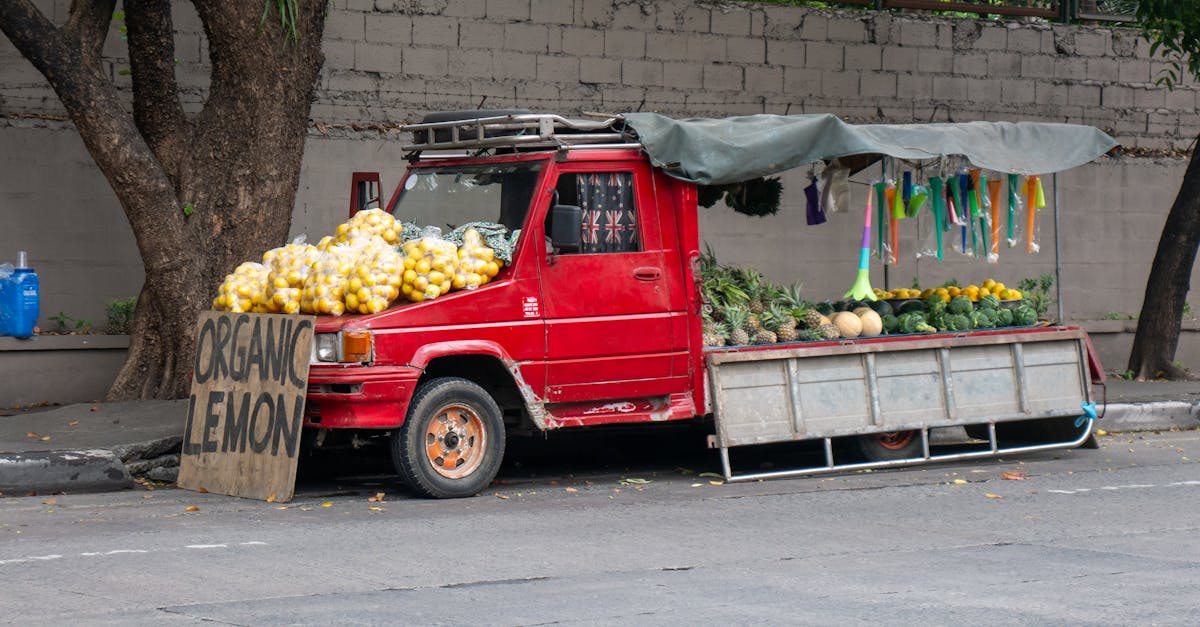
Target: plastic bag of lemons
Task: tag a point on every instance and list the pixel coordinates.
(374, 283)
(366, 223)
(477, 262)
(430, 264)
(244, 290)
(288, 270)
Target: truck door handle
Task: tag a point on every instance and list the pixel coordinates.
(647, 274)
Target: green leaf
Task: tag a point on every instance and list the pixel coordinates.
(188, 209)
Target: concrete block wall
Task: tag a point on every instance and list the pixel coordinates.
(389, 61)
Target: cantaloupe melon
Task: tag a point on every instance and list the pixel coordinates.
(847, 324)
(872, 324)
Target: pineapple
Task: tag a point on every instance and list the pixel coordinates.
(785, 324)
(713, 333)
(813, 319)
(809, 335)
(829, 331)
(735, 317)
(753, 284)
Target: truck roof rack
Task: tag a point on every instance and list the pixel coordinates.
(531, 130)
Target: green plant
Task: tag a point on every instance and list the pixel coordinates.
(1114, 315)
(119, 312)
(67, 324)
(1036, 292)
(1127, 375)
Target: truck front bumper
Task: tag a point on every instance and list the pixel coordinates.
(358, 397)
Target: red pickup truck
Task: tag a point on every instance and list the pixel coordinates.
(596, 321)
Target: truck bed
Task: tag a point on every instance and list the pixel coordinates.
(768, 394)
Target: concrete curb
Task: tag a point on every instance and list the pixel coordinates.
(94, 470)
(1152, 416)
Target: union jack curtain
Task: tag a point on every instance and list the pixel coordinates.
(609, 217)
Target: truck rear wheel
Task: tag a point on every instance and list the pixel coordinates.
(891, 445)
(452, 441)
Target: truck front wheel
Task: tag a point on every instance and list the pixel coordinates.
(890, 446)
(452, 441)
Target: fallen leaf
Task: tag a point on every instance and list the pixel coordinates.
(553, 482)
(572, 490)
(191, 508)
(501, 496)
(379, 497)
(147, 496)
(631, 480)
(282, 507)
(1101, 432)
(376, 509)
(73, 423)
(30, 434)
(50, 502)
(94, 408)
(271, 499)
(993, 496)
(710, 474)
(45, 438)
(327, 504)
(959, 481)
(697, 485)
(202, 490)
(1014, 475)
(716, 483)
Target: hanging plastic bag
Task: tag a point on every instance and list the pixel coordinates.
(1036, 199)
(835, 187)
(812, 196)
(1015, 206)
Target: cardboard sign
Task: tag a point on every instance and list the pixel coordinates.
(247, 404)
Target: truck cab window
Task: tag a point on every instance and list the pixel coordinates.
(453, 195)
(610, 223)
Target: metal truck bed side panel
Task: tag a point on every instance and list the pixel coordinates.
(804, 392)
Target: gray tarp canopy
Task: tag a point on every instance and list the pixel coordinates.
(728, 150)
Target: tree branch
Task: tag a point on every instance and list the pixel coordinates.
(37, 39)
(87, 27)
(157, 110)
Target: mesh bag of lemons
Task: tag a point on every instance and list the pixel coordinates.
(371, 261)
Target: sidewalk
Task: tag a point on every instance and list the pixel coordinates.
(101, 446)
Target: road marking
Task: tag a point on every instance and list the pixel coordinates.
(1132, 486)
(45, 558)
(36, 558)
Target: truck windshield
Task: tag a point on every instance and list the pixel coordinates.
(455, 195)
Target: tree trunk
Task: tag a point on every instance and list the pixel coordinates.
(201, 195)
(1157, 335)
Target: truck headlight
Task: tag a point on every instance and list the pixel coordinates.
(326, 347)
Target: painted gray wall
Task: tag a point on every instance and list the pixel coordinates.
(388, 62)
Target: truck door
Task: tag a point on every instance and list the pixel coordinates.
(610, 333)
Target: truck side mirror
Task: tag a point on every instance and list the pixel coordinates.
(565, 223)
(364, 191)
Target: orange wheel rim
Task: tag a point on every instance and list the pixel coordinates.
(895, 440)
(455, 441)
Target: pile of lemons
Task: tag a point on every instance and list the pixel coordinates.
(245, 290)
(430, 264)
(477, 262)
(361, 269)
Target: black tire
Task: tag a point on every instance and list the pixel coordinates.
(890, 446)
(452, 441)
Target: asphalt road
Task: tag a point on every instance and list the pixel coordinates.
(1108, 536)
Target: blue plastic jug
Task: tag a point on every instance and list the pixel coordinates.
(19, 300)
